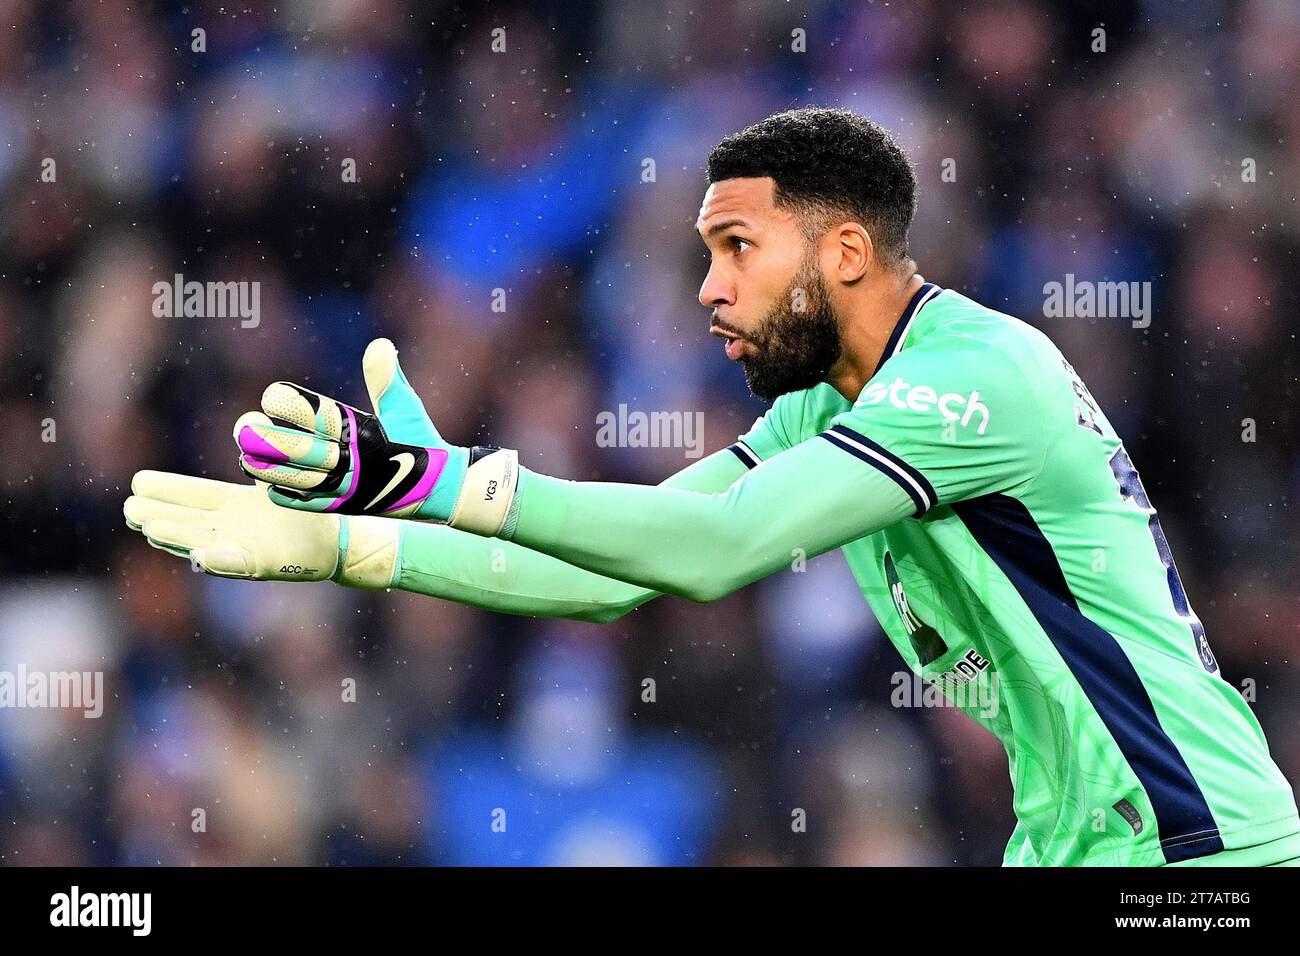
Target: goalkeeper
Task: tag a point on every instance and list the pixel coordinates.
(949, 450)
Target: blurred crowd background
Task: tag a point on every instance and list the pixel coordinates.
(523, 170)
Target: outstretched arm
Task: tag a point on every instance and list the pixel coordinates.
(322, 456)
(699, 542)
(802, 499)
(504, 576)
(812, 498)
(235, 531)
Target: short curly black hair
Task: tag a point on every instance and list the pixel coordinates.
(829, 166)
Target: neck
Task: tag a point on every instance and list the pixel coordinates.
(870, 318)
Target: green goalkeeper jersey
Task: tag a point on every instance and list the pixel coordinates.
(1001, 535)
(1033, 583)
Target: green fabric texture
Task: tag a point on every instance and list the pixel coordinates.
(504, 576)
(1001, 535)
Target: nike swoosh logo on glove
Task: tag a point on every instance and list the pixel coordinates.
(405, 462)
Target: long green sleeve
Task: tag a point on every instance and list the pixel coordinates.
(804, 501)
(504, 576)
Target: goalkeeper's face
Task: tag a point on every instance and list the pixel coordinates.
(770, 301)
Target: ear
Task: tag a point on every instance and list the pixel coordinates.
(852, 252)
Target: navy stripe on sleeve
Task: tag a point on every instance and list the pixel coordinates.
(908, 478)
(743, 452)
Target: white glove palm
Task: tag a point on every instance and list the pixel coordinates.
(234, 531)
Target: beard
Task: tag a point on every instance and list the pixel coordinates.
(795, 348)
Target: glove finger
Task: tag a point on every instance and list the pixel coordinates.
(391, 396)
(140, 511)
(287, 476)
(132, 511)
(183, 535)
(178, 552)
(308, 410)
(202, 493)
(287, 498)
(264, 446)
(224, 562)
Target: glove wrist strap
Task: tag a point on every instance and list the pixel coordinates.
(369, 548)
(487, 491)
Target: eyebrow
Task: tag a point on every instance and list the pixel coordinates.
(718, 227)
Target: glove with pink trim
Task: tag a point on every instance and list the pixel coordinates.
(318, 454)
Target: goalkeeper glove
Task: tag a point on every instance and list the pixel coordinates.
(320, 455)
(233, 531)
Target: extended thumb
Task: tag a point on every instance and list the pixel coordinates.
(380, 368)
(391, 396)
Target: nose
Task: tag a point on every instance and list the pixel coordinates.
(718, 289)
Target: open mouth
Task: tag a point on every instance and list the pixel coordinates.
(734, 345)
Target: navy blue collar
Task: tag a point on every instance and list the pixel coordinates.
(923, 295)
